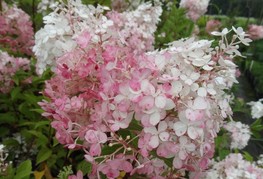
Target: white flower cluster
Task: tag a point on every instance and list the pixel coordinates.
(256, 108)
(234, 167)
(44, 5)
(3, 157)
(58, 35)
(240, 134)
(260, 160)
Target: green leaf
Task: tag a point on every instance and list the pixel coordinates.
(223, 153)
(8, 118)
(134, 125)
(15, 93)
(247, 156)
(41, 123)
(106, 150)
(24, 170)
(40, 111)
(85, 167)
(43, 155)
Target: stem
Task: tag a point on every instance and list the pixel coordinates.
(33, 15)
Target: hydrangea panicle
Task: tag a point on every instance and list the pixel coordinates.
(16, 30)
(111, 80)
(233, 166)
(255, 32)
(9, 65)
(194, 8)
(240, 134)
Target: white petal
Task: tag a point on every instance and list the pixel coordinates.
(176, 87)
(164, 136)
(162, 126)
(155, 118)
(207, 68)
(160, 62)
(169, 104)
(200, 103)
(154, 141)
(160, 101)
(151, 130)
(180, 128)
(190, 147)
(202, 92)
(192, 133)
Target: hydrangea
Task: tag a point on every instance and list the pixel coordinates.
(240, 134)
(111, 90)
(234, 166)
(255, 31)
(194, 8)
(16, 32)
(9, 65)
(256, 109)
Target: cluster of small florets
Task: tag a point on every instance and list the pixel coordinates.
(240, 134)
(16, 32)
(62, 33)
(256, 109)
(45, 5)
(195, 9)
(108, 81)
(255, 32)
(9, 65)
(3, 156)
(234, 166)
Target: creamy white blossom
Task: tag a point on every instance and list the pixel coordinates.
(240, 134)
(256, 108)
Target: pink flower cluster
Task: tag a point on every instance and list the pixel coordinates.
(195, 9)
(234, 166)
(9, 65)
(16, 32)
(255, 32)
(240, 134)
(109, 81)
(212, 25)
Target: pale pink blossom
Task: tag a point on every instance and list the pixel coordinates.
(255, 32)
(194, 8)
(240, 134)
(212, 25)
(256, 108)
(16, 31)
(233, 166)
(9, 65)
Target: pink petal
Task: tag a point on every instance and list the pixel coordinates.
(177, 163)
